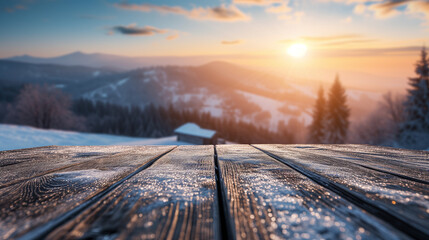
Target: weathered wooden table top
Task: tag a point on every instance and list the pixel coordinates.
(207, 192)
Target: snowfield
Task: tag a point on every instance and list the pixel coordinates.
(273, 106)
(17, 137)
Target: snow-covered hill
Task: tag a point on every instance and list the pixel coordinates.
(17, 137)
(223, 89)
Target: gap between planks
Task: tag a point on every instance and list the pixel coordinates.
(43, 231)
(365, 204)
(227, 227)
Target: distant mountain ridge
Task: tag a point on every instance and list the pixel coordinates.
(98, 60)
(13, 72)
(83, 59)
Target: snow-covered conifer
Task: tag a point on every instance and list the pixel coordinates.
(415, 129)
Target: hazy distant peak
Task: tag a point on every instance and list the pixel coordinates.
(25, 56)
(218, 64)
(77, 53)
(17, 58)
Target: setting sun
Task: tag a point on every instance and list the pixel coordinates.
(297, 50)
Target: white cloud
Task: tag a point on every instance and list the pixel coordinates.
(221, 13)
(257, 2)
(282, 8)
(359, 9)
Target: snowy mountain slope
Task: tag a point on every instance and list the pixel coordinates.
(223, 89)
(17, 137)
(275, 109)
(211, 87)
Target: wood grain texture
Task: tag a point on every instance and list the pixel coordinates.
(242, 192)
(268, 200)
(33, 202)
(22, 165)
(175, 198)
(405, 200)
(411, 164)
(10, 157)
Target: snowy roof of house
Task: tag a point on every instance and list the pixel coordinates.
(194, 130)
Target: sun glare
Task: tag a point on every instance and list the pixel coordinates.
(297, 50)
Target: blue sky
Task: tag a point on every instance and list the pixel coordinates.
(53, 27)
(333, 30)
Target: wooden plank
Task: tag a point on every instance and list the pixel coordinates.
(175, 198)
(403, 157)
(35, 202)
(9, 157)
(411, 165)
(402, 203)
(410, 158)
(21, 165)
(269, 200)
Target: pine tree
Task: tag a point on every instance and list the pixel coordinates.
(415, 129)
(337, 119)
(317, 127)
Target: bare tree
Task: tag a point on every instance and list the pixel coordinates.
(43, 107)
(381, 126)
(394, 106)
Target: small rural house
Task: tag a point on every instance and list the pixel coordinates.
(192, 133)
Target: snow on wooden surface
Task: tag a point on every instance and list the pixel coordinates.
(214, 192)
